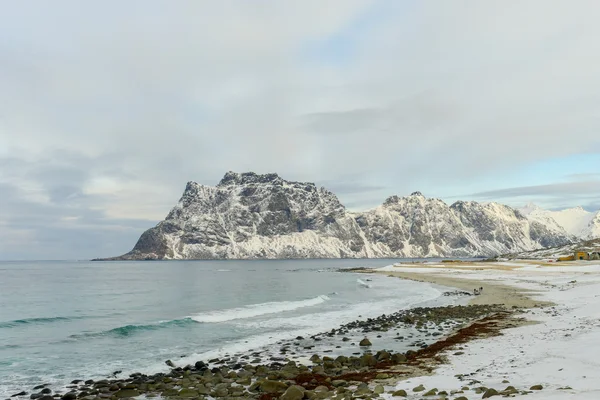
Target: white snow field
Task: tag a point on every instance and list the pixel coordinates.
(561, 350)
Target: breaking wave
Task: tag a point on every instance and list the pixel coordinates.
(129, 330)
(256, 310)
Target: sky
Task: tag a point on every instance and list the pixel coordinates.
(108, 108)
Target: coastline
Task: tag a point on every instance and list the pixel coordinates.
(442, 339)
(545, 356)
(493, 293)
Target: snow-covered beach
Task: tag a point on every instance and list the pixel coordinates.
(559, 351)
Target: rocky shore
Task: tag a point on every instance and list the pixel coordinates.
(367, 373)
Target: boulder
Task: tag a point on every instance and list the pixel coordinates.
(399, 358)
(400, 393)
(378, 389)
(536, 387)
(365, 342)
(125, 393)
(509, 390)
(368, 360)
(221, 392)
(342, 360)
(200, 366)
(419, 388)
(269, 386)
(489, 393)
(170, 363)
(294, 392)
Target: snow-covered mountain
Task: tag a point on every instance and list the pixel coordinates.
(553, 253)
(264, 216)
(575, 221)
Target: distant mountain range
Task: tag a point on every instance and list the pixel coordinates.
(251, 216)
(574, 221)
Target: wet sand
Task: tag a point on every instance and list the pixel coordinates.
(493, 292)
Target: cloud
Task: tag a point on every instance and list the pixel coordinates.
(555, 189)
(106, 114)
(352, 187)
(583, 176)
(555, 195)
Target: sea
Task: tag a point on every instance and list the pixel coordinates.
(66, 320)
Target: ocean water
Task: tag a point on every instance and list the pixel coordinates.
(61, 321)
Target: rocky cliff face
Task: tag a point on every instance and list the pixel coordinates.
(264, 216)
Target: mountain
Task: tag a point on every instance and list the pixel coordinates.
(575, 221)
(249, 216)
(557, 251)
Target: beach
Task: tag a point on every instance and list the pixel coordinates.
(532, 331)
(553, 356)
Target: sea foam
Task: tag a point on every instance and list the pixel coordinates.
(256, 310)
(363, 283)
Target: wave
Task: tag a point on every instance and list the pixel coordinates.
(35, 321)
(129, 330)
(256, 310)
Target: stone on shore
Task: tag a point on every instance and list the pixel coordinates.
(419, 388)
(489, 393)
(125, 393)
(365, 342)
(509, 390)
(269, 386)
(294, 392)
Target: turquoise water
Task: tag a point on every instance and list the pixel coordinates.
(61, 321)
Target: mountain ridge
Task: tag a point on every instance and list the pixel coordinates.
(575, 221)
(253, 216)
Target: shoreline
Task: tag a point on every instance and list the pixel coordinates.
(440, 329)
(547, 356)
(493, 292)
(323, 375)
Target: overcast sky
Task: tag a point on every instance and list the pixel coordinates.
(107, 108)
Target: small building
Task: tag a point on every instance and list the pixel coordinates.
(582, 255)
(567, 258)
